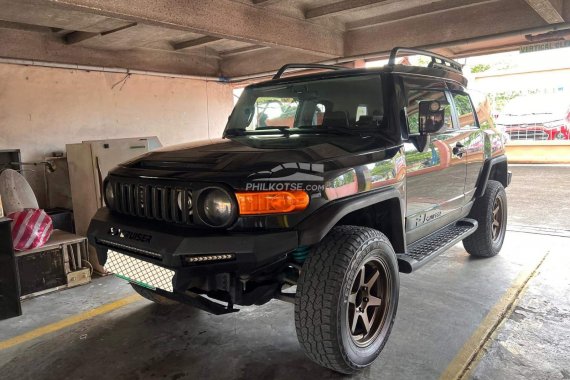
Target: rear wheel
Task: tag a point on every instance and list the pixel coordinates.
(490, 211)
(152, 296)
(347, 297)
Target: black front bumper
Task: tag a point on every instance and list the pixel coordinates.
(168, 245)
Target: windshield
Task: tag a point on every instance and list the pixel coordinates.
(318, 106)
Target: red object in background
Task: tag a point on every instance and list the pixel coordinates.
(31, 229)
(537, 132)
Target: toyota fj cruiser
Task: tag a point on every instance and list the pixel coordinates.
(325, 187)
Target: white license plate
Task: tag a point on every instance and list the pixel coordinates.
(139, 272)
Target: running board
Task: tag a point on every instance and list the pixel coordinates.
(422, 251)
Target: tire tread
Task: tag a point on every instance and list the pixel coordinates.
(480, 243)
(318, 292)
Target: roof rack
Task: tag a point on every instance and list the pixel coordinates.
(288, 66)
(437, 61)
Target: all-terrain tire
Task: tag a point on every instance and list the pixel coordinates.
(322, 306)
(152, 296)
(482, 242)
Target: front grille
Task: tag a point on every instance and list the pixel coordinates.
(156, 202)
(528, 134)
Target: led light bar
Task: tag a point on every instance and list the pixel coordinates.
(129, 248)
(209, 258)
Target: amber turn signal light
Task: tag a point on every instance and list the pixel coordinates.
(272, 202)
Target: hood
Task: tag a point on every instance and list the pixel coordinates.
(247, 154)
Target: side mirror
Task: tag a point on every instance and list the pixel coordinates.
(432, 117)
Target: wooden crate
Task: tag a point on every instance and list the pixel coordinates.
(63, 262)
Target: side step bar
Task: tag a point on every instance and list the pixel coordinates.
(422, 251)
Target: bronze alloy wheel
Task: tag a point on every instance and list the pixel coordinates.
(368, 301)
(498, 217)
(347, 298)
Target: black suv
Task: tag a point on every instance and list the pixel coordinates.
(324, 188)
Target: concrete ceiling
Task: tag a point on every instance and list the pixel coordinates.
(241, 37)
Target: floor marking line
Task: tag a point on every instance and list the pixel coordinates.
(467, 356)
(538, 230)
(74, 319)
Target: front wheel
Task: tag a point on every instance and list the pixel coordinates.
(347, 297)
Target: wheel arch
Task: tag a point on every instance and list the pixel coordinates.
(377, 210)
(495, 169)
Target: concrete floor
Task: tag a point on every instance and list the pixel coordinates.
(539, 195)
(442, 307)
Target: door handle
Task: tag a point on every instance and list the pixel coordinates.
(459, 149)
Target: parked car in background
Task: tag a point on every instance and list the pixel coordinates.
(536, 117)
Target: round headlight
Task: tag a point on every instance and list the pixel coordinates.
(217, 207)
(109, 194)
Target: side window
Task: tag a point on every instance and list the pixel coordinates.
(415, 96)
(465, 112)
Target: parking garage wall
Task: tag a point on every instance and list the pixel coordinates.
(42, 109)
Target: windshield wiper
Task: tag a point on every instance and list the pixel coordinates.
(341, 131)
(282, 128)
(262, 131)
(306, 129)
(332, 130)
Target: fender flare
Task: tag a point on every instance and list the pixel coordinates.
(486, 173)
(317, 225)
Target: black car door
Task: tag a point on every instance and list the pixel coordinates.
(435, 173)
(471, 139)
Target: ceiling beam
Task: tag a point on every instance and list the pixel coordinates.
(450, 26)
(341, 7)
(194, 43)
(24, 26)
(549, 10)
(78, 36)
(219, 18)
(242, 50)
(419, 11)
(46, 47)
(261, 61)
(60, 32)
(264, 2)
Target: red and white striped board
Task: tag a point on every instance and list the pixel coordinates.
(31, 228)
